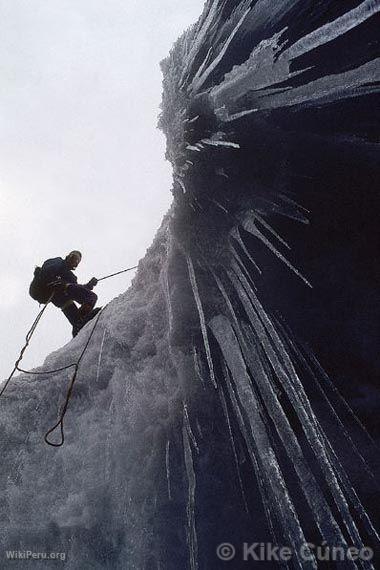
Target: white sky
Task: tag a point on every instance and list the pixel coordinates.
(81, 161)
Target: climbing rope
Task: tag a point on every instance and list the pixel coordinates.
(69, 392)
(56, 370)
(118, 273)
(27, 339)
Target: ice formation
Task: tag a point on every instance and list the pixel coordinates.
(208, 406)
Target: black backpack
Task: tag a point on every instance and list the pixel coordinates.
(39, 290)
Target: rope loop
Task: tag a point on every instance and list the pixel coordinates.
(69, 392)
(27, 341)
(74, 377)
(51, 430)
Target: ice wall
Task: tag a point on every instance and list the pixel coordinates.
(208, 407)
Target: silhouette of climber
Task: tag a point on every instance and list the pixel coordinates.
(59, 273)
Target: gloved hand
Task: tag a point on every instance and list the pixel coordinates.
(58, 284)
(92, 283)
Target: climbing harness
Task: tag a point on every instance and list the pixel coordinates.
(74, 365)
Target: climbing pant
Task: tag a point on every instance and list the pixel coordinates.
(80, 294)
(71, 312)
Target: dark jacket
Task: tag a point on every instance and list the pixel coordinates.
(55, 268)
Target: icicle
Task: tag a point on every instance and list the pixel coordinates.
(333, 30)
(199, 428)
(225, 410)
(188, 427)
(197, 366)
(164, 280)
(229, 346)
(271, 230)
(323, 516)
(242, 266)
(193, 148)
(345, 433)
(100, 355)
(317, 503)
(275, 207)
(181, 183)
(199, 40)
(212, 142)
(327, 89)
(268, 507)
(293, 203)
(190, 508)
(203, 64)
(236, 235)
(197, 83)
(202, 320)
(294, 389)
(220, 206)
(339, 396)
(261, 70)
(350, 491)
(250, 226)
(167, 461)
(237, 116)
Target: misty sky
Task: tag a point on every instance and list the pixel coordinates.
(81, 161)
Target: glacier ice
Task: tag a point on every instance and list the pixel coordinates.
(222, 398)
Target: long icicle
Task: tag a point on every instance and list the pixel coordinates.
(190, 508)
(324, 518)
(293, 386)
(202, 319)
(225, 410)
(225, 336)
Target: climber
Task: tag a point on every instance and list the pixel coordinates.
(56, 278)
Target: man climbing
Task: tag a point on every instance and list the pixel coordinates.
(57, 273)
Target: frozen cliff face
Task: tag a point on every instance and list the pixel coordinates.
(208, 405)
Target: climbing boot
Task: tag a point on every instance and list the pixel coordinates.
(71, 312)
(84, 320)
(85, 310)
